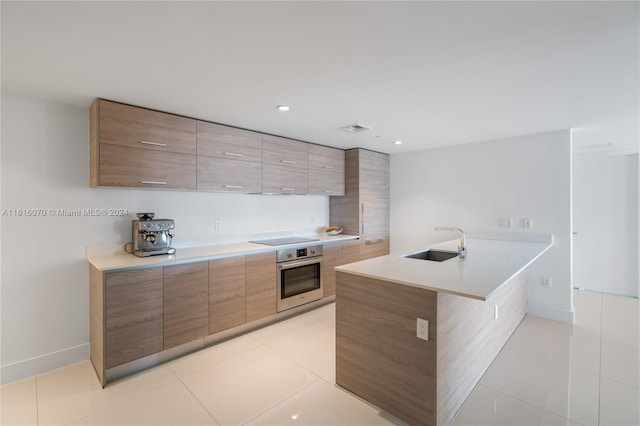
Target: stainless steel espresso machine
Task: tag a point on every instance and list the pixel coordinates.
(151, 236)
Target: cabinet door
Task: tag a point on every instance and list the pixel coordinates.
(143, 128)
(331, 257)
(280, 179)
(261, 285)
(350, 251)
(286, 152)
(227, 289)
(326, 158)
(326, 182)
(186, 304)
(374, 193)
(143, 168)
(223, 175)
(374, 246)
(133, 315)
(215, 140)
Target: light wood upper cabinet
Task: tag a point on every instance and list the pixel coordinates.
(225, 175)
(186, 303)
(227, 293)
(125, 166)
(326, 170)
(286, 152)
(285, 167)
(133, 315)
(261, 285)
(137, 147)
(215, 140)
(127, 125)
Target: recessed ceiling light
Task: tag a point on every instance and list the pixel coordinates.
(283, 107)
(398, 142)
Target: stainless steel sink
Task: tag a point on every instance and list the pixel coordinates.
(433, 255)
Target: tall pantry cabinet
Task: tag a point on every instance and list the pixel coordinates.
(364, 208)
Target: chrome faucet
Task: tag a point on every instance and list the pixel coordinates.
(462, 249)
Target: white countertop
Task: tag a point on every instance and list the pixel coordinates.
(123, 260)
(488, 265)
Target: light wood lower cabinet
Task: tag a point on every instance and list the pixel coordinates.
(261, 285)
(331, 257)
(133, 315)
(350, 251)
(186, 310)
(374, 246)
(227, 293)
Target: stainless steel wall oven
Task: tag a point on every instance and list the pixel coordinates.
(299, 276)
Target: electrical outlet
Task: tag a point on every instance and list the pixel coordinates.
(218, 225)
(506, 222)
(527, 223)
(546, 282)
(422, 329)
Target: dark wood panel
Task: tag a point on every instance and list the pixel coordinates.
(261, 285)
(132, 167)
(134, 315)
(345, 211)
(215, 140)
(331, 257)
(378, 356)
(143, 128)
(186, 304)
(223, 175)
(227, 293)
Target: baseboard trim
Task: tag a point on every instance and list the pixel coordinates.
(549, 313)
(43, 363)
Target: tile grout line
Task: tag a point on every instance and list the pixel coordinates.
(199, 402)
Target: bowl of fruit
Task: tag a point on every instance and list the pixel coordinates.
(333, 230)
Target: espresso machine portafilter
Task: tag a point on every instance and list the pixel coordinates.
(151, 236)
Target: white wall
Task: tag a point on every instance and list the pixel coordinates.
(471, 186)
(605, 211)
(44, 287)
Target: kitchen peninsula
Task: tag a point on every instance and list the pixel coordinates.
(472, 305)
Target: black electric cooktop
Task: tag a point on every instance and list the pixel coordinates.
(283, 241)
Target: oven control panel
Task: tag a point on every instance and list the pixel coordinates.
(285, 255)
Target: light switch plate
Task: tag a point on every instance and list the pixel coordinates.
(422, 331)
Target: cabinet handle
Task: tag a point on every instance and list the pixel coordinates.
(233, 186)
(328, 191)
(288, 161)
(287, 189)
(153, 143)
(372, 242)
(233, 154)
(328, 167)
(152, 182)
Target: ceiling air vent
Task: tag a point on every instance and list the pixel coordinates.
(355, 128)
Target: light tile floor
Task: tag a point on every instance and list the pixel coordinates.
(549, 373)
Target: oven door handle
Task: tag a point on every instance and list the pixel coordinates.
(297, 263)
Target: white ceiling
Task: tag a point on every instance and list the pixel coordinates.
(429, 73)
